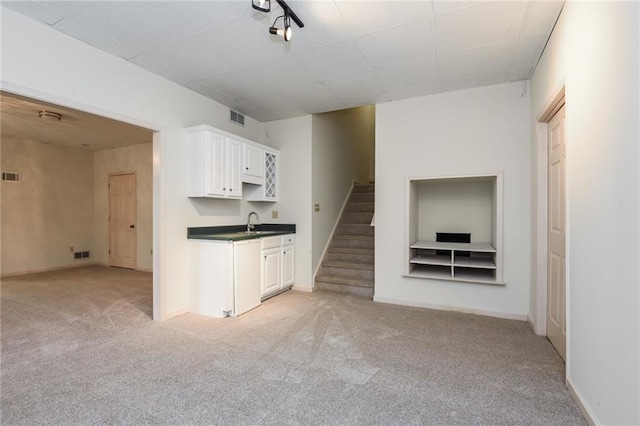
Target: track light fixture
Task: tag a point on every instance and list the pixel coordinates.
(285, 32)
(261, 5)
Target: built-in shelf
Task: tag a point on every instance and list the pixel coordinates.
(465, 205)
(464, 261)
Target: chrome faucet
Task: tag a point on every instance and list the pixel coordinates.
(250, 225)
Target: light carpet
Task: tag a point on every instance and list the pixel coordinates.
(79, 347)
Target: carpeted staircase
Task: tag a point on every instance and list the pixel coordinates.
(348, 264)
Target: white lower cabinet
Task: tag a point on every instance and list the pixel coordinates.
(278, 259)
(270, 270)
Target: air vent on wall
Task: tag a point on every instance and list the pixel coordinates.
(10, 177)
(236, 117)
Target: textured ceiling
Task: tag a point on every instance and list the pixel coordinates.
(349, 53)
(77, 129)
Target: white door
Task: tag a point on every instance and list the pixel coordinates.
(216, 165)
(270, 270)
(287, 266)
(253, 161)
(234, 169)
(556, 291)
(122, 220)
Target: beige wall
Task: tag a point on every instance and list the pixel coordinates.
(50, 210)
(138, 159)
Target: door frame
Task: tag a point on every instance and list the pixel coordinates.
(160, 183)
(541, 194)
(135, 178)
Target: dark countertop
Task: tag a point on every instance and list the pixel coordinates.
(238, 232)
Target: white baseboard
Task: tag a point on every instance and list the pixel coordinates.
(304, 288)
(586, 411)
(144, 270)
(503, 315)
(54, 268)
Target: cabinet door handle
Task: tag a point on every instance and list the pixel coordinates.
(224, 189)
(246, 168)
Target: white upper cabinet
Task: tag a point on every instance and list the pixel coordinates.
(253, 171)
(269, 190)
(214, 165)
(218, 163)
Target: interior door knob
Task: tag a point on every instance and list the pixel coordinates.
(132, 226)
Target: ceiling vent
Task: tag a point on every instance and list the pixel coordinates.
(236, 117)
(10, 177)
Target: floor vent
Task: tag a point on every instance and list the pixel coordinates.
(11, 177)
(236, 117)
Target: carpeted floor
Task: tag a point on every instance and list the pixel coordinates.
(79, 348)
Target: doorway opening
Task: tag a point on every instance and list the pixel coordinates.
(60, 206)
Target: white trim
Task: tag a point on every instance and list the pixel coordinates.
(333, 231)
(144, 270)
(50, 269)
(541, 237)
(581, 402)
(503, 315)
(303, 288)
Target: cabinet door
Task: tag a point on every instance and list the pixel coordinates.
(270, 270)
(288, 260)
(215, 172)
(234, 170)
(270, 177)
(253, 164)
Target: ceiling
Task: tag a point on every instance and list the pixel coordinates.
(350, 53)
(76, 129)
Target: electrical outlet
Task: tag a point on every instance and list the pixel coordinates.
(71, 249)
(316, 207)
(274, 214)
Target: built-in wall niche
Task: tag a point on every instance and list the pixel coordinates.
(454, 228)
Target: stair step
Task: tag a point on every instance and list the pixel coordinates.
(364, 188)
(360, 206)
(358, 218)
(348, 265)
(362, 197)
(345, 289)
(348, 270)
(355, 229)
(354, 255)
(334, 279)
(362, 242)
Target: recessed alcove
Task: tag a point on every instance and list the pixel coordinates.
(443, 210)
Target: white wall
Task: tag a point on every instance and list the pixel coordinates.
(50, 210)
(594, 48)
(82, 77)
(138, 159)
(293, 139)
(448, 206)
(475, 131)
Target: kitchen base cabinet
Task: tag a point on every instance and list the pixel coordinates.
(278, 259)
